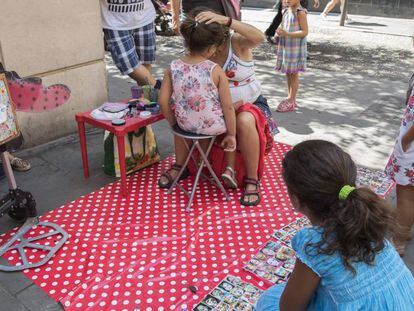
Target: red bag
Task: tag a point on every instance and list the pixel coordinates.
(232, 8)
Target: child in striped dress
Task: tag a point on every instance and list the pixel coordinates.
(291, 52)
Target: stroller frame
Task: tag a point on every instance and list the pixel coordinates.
(21, 206)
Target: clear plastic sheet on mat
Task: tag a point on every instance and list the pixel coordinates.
(144, 252)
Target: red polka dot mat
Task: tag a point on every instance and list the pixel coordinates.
(143, 252)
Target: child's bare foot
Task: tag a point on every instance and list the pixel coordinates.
(229, 177)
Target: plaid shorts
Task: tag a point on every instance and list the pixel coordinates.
(131, 48)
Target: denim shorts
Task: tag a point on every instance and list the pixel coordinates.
(131, 48)
(261, 102)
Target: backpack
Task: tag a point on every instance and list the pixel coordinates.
(232, 8)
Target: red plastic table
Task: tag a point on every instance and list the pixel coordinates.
(119, 132)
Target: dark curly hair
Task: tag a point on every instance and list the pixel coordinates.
(199, 37)
(315, 171)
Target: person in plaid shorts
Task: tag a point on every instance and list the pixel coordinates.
(129, 32)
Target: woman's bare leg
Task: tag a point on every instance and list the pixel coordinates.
(249, 145)
(329, 7)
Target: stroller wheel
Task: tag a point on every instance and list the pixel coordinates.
(23, 206)
(18, 214)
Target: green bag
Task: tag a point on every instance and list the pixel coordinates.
(141, 150)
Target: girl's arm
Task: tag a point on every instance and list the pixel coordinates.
(407, 139)
(303, 24)
(220, 79)
(248, 36)
(164, 98)
(299, 289)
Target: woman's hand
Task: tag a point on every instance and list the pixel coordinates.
(316, 4)
(229, 143)
(209, 17)
(281, 33)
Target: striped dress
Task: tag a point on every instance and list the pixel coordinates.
(291, 52)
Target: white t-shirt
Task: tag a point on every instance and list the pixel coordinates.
(126, 14)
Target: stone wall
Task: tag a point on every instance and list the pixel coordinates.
(61, 42)
(387, 8)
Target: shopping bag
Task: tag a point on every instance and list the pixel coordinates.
(141, 150)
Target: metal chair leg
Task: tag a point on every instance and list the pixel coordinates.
(212, 173)
(177, 178)
(194, 188)
(199, 165)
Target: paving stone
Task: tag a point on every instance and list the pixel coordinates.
(13, 282)
(9, 303)
(36, 299)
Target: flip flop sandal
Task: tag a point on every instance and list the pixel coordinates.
(230, 179)
(20, 165)
(256, 192)
(167, 175)
(286, 106)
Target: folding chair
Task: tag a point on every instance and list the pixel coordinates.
(199, 163)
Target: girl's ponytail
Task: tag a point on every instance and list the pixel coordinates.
(360, 224)
(198, 36)
(355, 221)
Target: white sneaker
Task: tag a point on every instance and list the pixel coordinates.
(349, 21)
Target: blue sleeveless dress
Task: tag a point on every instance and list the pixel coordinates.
(385, 285)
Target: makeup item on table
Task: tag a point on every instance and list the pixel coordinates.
(146, 92)
(145, 114)
(154, 94)
(136, 91)
(152, 107)
(118, 122)
(110, 111)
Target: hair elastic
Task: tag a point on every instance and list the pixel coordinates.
(345, 191)
(228, 24)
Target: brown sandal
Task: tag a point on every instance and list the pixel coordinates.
(256, 192)
(167, 175)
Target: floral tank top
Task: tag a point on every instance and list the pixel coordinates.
(196, 98)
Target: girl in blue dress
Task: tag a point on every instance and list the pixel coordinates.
(344, 261)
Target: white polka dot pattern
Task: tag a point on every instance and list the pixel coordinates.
(144, 251)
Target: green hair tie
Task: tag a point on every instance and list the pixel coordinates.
(345, 191)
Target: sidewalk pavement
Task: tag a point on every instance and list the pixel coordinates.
(361, 23)
(352, 95)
